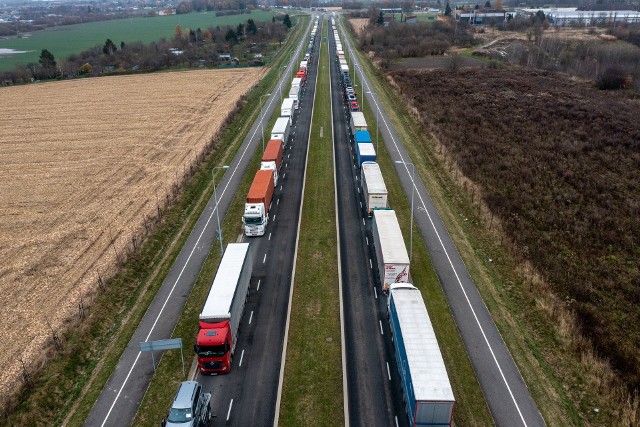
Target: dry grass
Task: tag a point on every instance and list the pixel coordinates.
(358, 25)
(83, 166)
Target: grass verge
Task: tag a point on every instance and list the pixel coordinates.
(529, 336)
(312, 386)
(66, 388)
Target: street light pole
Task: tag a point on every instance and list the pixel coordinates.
(215, 197)
(377, 110)
(413, 190)
(262, 119)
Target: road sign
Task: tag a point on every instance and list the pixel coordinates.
(161, 345)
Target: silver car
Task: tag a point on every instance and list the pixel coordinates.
(191, 407)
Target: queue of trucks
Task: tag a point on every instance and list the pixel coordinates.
(427, 392)
(219, 319)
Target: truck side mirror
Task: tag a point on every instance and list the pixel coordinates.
(195, 348)
(163, 423)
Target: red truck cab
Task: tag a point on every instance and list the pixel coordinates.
(213, 347)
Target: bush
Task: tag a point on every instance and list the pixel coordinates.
(612, 78)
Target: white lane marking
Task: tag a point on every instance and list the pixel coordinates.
(360, 205)
(363, 223)
(381, 331)
(354, 166)
(269, 236)
(241, 357)
(373, 100)
(270, 205)
(388, 371)
(264, 259)
(251, 317)
(367, 239)
(258, 288)
(397, 425)
(375, 292)
(213, 211)
(288, 156)
(278, 202)
(280, 186)
(229, 411)
(284, 175)
(274, 218)
(370, 263)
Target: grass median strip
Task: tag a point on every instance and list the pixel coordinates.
(312, 386)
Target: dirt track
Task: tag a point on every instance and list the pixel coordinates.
(81, 164)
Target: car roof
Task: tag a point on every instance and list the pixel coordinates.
(184, 395)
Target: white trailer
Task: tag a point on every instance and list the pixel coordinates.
(428, 395)
(281, 130)
(358, 121)
(287, 108)
(294, 93)
(373, 187)
(391, 253)
(229, 289)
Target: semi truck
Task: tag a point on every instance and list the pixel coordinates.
(220, 317)
(272, 159)
(373, 187)
(287, 109)
(428, 396)
(358, 123)
(256, 208)
(391, 253)
(365, 152)
(281, 130)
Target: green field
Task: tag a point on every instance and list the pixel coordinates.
(69, 39)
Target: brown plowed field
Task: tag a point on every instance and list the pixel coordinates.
(81, 163)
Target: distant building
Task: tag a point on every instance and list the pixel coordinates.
(572, 16)
(480, 16)
(167, 11)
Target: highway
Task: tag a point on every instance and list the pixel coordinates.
(247, 396)
(119, 400)
(504, 389)
(374, 392)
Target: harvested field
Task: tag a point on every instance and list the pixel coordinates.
(82, 165)
(558, 163)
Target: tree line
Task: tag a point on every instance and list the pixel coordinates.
(187, 48)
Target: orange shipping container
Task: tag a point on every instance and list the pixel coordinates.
(273, 152)
(261, 190)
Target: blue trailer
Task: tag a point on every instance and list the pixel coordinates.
(362, 136)
(365, 152)
(427, 392)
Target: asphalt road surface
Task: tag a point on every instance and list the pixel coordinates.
(374, 392)
(504, 389)
(119, 400)
(247, 395)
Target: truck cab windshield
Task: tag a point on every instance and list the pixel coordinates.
(180, 415)
(212, 350)
(253, 220)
